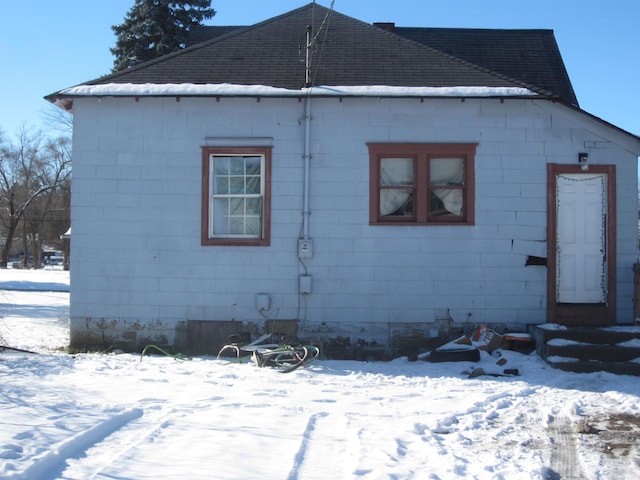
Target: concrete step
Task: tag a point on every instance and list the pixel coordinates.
(596, 336)
(619, 368)
(590, 349)
(587, 352)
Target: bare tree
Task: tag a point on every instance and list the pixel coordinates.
(55, 172)
(28, 169)
(58, 119)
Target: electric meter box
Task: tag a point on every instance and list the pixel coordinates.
(305, 248)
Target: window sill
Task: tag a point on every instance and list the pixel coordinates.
(421, 224)
(231, 242)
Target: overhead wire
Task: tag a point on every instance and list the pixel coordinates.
(310, 76)
(325, 23)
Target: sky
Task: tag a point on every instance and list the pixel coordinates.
(48, 45)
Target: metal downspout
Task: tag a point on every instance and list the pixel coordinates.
(307, 157)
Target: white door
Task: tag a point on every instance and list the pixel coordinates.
(581, 268)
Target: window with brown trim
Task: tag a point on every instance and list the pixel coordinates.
(236, 186)
(421, 183)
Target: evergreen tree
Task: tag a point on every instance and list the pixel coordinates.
(156, 27)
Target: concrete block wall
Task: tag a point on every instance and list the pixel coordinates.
(137, 258)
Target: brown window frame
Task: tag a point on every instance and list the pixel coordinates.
(264, 241)
(422, 154)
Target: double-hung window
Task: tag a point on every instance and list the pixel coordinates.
(236, 195)
(421, 184)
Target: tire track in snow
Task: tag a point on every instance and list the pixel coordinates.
(120, 444)
(564, 459)
(329, 449)
(52, 463)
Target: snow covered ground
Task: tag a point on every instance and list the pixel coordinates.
(126, 417)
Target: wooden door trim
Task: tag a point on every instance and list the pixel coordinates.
(580, 314)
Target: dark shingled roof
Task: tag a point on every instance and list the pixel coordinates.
(531, 56)
(349, 52)
(202, 33)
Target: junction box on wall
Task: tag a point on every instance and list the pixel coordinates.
(305, 284)
(263, 301)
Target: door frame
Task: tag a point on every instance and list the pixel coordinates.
(580, 314)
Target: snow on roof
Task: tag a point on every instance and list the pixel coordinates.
(226, 89)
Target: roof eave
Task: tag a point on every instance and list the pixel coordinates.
(230, 90)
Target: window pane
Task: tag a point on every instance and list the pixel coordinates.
(446, 202)
(237, 217)
(236, 226)
(236, 185)
(221, 165)
(396, 202)
(221, 185)
(245, 226)
(252, 165)
(252, 226)
(446, 171)
(396, 171)
(236, 206)
(253, 185)
(237, 166)
(220, 175)
(221, 216)
(253, 206)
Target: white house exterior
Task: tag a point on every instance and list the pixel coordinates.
(144, 272)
